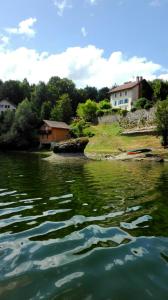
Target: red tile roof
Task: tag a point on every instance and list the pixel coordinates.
(55, 124)
(125, 86)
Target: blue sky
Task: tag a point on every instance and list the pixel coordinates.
(93, 42)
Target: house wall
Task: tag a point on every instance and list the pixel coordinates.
(53, 134)
(5, 105)
(125, 98)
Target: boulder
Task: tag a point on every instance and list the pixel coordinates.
(70, 146)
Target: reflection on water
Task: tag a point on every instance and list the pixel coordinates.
(89, 230)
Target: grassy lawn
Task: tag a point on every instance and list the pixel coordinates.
(107, 139)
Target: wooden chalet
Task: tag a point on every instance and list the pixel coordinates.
(53, 131)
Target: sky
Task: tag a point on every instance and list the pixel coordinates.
(93, 42)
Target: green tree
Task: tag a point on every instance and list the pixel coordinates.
(62, 111)
(103, 93)
(91, 93)
(57, 87)
(25, 124)
(88, 110)
(160, 89)
(162, 120)
(6, 121)
(39, 96)
(46, 110)
(12, 91)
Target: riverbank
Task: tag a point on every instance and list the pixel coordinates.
(108, 143)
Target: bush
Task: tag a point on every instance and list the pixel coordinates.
(80, 128)
(104, 105)
(88, 111)
(142, 103)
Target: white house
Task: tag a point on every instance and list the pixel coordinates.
(125, 95)
(6, 105)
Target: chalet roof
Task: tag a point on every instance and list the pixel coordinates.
(125, 86)
(55, 124)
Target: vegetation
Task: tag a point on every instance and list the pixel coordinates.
(162, 121)
(81, 128)
(87, 111)
(143, 103)
(62, 111)
(57, 100)
(60, 100)
(108, 139)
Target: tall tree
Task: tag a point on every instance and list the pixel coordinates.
(12, 91)
(103, 93)
(91, 93)
(39, 96)
(46, 110)
(162, 120)
(62, 110)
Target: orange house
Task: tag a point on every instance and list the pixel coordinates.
(52, 131)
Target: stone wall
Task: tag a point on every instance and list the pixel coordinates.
(139, 118)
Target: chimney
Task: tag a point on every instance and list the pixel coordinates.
(137, 78)
(141, 78)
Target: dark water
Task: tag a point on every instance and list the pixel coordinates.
(89, 230)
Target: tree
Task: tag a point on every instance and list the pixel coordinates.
(6, 121)
(160, 89)
(25, 124)
(46, 110)
(12, 91)
(88, 110)
(162, 120)
(57, 87)
(62, 111)
(103, 93)
(39, 96)
(91, 93)
(26, 88)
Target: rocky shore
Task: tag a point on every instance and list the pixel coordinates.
(127, 157)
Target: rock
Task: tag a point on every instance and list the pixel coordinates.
(159, 159)
(71, 146)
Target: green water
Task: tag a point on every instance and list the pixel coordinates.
(86, 230)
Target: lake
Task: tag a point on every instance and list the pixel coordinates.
(83, 230)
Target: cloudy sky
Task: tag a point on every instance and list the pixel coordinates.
(92, 42)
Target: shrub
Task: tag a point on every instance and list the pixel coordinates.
(88, 111)
(142, 103)
(80, 128)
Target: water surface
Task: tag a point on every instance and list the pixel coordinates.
(86, 230)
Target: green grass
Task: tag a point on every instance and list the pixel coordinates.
(107, 139)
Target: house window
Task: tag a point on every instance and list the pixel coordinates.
(125, 93)
(120, 102)
(115, 95)
(125, 100)
(115, 103)
(120, 94)
(1, 106)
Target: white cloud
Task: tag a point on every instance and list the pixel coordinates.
(61, 5)
(83, 31)
(24, 28)
(85, 66)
